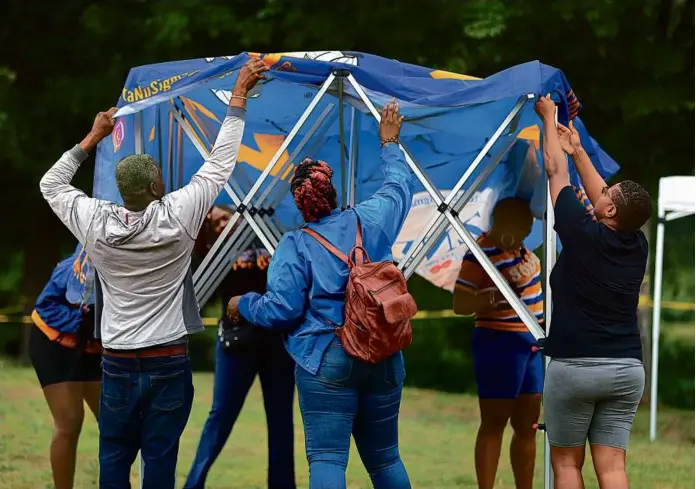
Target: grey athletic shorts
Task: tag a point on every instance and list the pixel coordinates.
(592, 399)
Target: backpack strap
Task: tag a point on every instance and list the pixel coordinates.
(322, 241)
(358, 249)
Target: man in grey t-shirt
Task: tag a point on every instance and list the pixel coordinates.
(142, 253)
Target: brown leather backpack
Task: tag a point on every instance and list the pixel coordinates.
(378, 306)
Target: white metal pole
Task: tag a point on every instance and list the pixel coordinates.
(428, 238)
(257, 185)
(549, 263)
(353, 156)
(657, 309)
(320, 127)
(499, 281)
(138, 118)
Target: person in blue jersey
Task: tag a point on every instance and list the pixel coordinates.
(305, 297)
(595, 379)
(262, 354)
(66, 357)
(509, 373)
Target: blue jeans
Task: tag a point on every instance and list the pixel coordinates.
(234, 375)
(145, 404)
(347, 397)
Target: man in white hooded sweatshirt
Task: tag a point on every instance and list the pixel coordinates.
(142, 254)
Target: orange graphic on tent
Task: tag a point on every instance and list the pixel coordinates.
(267, 145)
(443, 75)
(530, 133)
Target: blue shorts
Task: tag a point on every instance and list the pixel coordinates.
(505, 365)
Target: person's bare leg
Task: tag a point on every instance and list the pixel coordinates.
(91, 392)
(567, 465)
(495, 414)
(523, 446)
(610, 466)
(65, 402)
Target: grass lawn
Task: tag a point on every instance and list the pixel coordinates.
(437, 437)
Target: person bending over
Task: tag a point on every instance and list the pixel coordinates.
(595, 379)
(142, 253)
(235, 370)
(509, 375)
(339, 395)
(66, 357)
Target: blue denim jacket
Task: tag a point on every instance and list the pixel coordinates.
(306, 284)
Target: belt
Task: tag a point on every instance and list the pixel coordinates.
(162, 351)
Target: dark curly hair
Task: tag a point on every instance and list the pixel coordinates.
(311, 187)
(634, 206)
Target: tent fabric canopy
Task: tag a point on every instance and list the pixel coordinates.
(448, 119)
(677, 194)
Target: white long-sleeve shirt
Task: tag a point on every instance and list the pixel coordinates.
(144, 258)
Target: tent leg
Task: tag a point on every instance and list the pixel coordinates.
(657, 309)
(516, 303)
(320, 129)
(241, 239)
(138, 118)
(257, 185)
(427, 236)
(205, 274)
(428, 240)
(220, 273)
(353, 162)
(269, 232)
(549, 263)
(341, 142)
(260, 230)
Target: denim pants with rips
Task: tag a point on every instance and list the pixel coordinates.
(349, 397)
(145, 405)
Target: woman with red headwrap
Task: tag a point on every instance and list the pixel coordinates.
(339, 395)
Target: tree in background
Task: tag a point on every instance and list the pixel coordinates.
(630, 63)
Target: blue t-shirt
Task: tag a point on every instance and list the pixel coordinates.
(595, 286)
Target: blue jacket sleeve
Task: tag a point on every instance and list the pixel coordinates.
(284, 302)
(52, 305)
(388, 207)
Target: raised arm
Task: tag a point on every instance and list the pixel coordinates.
(592, 181)
(389, 206)
(71, 205)
(193, 201)
(555, 161)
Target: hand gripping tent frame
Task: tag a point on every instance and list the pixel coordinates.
(675, 199)
(455, 125)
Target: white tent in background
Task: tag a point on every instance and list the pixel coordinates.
(676, 198)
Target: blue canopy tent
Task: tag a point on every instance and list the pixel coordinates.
(176, 109)
(469, 142)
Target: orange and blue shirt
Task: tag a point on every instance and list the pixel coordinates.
(66, 300)
(521, 268)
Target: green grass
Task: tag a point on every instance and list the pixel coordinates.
(437, 437)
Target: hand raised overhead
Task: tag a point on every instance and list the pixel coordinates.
(249, 75)
(390, 123)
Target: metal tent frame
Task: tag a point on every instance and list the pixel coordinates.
(256, 213)
(675, 199)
